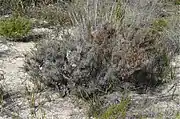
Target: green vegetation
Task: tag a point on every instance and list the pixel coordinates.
(117, 111)
(160, 24)
(119, 12)
(15, 27)
(95, 107)
(177, 2)
(178, 115)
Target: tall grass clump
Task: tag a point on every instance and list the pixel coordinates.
(114, 42)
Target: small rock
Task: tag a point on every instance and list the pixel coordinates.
(42, 31)
(3, 48)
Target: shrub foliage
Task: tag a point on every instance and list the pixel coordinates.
(100, 56)
(14, 27)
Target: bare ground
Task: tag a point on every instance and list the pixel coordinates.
(20, 101)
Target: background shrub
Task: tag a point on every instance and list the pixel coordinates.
(53, 11)
(52, 14)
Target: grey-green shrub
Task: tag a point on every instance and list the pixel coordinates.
(128, 52)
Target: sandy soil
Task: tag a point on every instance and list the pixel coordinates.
(22, 103)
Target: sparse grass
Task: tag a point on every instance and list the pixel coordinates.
(95, 107)
(32, 100)
(15, 27)
(101, 110)
(160, 24)
(30, 95)
(116, 111)
(119, 12)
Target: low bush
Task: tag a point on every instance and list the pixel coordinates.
(101, 56)
(89, 69)
(15, 27)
